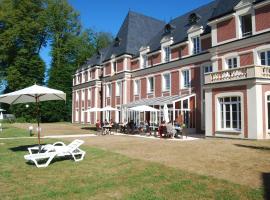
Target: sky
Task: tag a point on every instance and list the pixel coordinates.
(108, 15)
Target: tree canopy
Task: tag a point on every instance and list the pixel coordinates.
(27, 26)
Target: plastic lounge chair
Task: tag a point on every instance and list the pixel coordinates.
(58, 149)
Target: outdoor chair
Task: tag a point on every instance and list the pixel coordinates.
(170, 130)
(43, 156)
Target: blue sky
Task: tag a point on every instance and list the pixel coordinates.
(108, 15)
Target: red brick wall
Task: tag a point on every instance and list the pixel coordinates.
(246, 59)
(226, 30)
(196, 84)
(93, 74)
(242, 89)
(175, 83)
(176, 53)
(135, 64)
(158, 85)
(219, 65)
(262, 18)
(113, 95)
(120, 65)
(156, 58)
(143, 88)
(184, 50)
(108, 69)
(206, 43)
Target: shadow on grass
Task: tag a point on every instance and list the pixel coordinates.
(254, 147)
(266, 185)
(89, 128)
(23, 147)
(54, 160)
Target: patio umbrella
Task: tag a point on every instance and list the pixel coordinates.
(166, 113)
(109, 108)
(144, 108)
(93, 110)
(33, 94)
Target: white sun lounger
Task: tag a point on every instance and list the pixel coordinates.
(58, 149)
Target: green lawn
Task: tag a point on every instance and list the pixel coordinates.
(106, 175)
(9, 131)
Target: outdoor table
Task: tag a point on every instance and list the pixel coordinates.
(153, 129)
(122, 127)
(107, 129)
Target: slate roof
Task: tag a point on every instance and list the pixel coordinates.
(139, 30)
(181, 25)
(136, 31)
(226, 7)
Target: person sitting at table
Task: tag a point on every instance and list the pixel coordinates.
(105, 122)
(146, 127)
(161, 129)
(170, 130)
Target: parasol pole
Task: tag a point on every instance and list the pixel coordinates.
(37, 104)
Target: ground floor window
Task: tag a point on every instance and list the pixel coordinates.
(230, 113)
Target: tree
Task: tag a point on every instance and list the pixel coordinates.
(23, 33)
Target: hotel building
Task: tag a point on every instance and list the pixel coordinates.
(209, 66)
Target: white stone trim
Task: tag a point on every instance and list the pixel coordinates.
(266, 115)
(257, 51)
(225, 57)
(208, 114)
(222, 132)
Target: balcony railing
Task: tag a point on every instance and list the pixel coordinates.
(240, 73)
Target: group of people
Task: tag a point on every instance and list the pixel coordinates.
(164, 129)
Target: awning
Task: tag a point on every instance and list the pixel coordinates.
(158, 101)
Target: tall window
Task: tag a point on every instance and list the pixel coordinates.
(144, 61)
(114, 67)
(265, 58)
(166, 82)
(89, 97)
(268, 112)
(246, 25)
(196, 45)
(230, 113)
(136, 87)
(167, 53)
(150, 85)
(109, 90)
(118, 88)
(232, 63)
(186, 78)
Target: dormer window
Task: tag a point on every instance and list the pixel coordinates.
(246, 25)
(196, 45)
(117, 41)
(193, 19)
(144, 61)
(114, 67)
(167, 54)
(168, 28)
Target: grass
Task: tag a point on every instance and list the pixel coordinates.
(9, 131)
(106, 175)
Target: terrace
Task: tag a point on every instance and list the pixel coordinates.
(242, 73)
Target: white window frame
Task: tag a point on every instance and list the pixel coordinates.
(144, 59)
(118, 88)
(209, 67)
(240, 23)
(184, 84)
(196, 45)
(164, 83)
(167, 53)
(136, 87)
(267, 57)
(149, 89)
(239, 123)
(233, 59)
(108, 90)
(267, 94)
